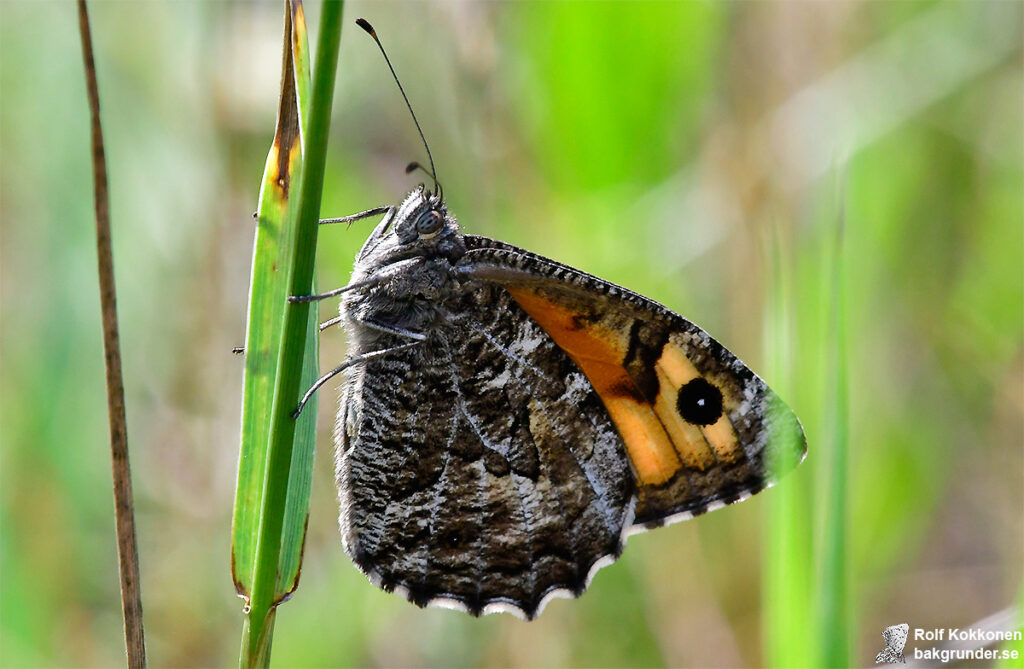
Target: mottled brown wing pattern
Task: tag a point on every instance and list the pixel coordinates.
(480, 470)
(700, 428)
(546, 415)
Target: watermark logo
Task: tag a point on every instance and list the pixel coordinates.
(895, 639)
(971, 643)
(981, 641)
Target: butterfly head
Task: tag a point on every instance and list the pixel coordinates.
(419, 226)
(423, 217)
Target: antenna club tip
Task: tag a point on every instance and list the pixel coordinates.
(411, 167)
(365, 25)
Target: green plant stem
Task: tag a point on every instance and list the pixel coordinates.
(833, 593)
(287, 385)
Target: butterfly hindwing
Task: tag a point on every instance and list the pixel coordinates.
(480, 470)
(700, 429)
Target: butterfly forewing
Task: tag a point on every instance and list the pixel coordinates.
(700, 429)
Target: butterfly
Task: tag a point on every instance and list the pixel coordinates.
(506, 421)
(895, 639)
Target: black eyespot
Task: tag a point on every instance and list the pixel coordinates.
(699, 402)
(429, 222)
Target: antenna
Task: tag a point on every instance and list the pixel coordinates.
(413, 166)
(365, 25)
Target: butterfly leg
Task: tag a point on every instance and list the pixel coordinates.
(345, 365)
(355, 217)
(369, 281)
(380, 327)
(329, 323)
(334, 293)
(392, 329)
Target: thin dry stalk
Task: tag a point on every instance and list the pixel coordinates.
(124, 514)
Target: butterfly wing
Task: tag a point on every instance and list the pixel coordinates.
(700, 429)
(480, 470)
(546, 416)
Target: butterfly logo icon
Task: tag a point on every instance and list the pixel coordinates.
(895, 639)
(506, 421)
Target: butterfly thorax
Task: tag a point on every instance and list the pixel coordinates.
(403, 273)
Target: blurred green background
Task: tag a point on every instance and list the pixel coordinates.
(702, 154)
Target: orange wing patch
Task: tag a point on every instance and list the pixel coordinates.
(687, 437)
(598, 351)
(659, 441)
(676, 368)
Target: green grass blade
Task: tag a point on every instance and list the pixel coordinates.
(787, 564)
(833, 617)
(300, 479)
(268, 290)
(299, 255)
(300, 62)
(1012, 652)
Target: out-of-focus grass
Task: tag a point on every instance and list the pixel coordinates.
(653, 144)
(788, 532)
(1009, 662)
(832, 597)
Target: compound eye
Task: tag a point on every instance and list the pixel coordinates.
(429, 224)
